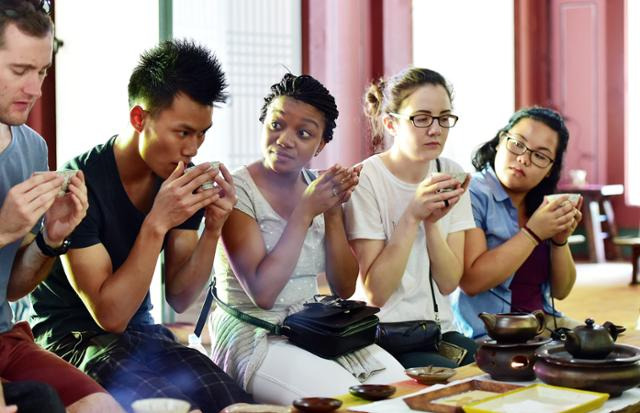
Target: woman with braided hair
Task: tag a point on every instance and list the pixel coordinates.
(286, 228)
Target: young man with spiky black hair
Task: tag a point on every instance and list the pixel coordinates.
(94, 309)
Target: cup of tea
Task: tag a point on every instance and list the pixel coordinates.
(160, 405)
(66, 174)
(573, 198)
(208, 184)
(458, 176)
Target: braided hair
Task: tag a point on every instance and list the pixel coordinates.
(306, 89)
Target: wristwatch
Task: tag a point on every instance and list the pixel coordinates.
(50, 251)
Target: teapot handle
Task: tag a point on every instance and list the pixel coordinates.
(539, 314)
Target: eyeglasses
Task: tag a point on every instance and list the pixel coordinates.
(423, 120)
(516, 147)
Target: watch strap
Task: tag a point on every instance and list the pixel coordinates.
(48, 250)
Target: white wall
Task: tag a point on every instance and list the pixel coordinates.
(102, 44)
(257, 42)
(632, 148)
(471, 43)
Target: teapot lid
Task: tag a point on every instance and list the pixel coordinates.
(591, 328)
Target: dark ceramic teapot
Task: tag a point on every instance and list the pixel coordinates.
(508, 328)
(591, 341)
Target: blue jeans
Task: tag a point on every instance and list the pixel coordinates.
(432, 358)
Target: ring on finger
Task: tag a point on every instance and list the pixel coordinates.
(333, 191)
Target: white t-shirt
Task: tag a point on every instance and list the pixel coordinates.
(374, 210)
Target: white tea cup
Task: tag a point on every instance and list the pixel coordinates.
(573, 198)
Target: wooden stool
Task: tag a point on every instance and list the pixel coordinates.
(634, 243)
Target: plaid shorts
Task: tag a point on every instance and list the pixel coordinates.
(147, 361)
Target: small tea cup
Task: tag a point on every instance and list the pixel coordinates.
(208, 184)
(66, 174)
(573, 198)
(458, 176)
(160, 405)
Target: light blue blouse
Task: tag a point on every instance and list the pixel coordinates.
(496, 215)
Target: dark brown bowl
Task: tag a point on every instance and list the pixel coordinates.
(620, 371)
(372, 391)
(317, 404)
(430, 374)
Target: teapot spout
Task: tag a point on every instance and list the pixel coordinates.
(613, 329)
(488, 319)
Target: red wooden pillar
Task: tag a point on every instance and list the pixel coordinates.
(532, 53)
(347, 44)
(43, 115)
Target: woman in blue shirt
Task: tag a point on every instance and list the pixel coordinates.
(518, 257)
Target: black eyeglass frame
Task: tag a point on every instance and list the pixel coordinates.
(412, 119)
(510, 137)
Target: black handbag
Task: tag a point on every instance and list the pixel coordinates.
(329, 327)
(417, 335)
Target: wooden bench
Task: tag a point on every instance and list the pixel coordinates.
(634, 243)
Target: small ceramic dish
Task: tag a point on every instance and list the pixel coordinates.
(430, 374)
(317, 404)
(573, 198)
(372, 391)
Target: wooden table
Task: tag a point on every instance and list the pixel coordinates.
(596, 212)
(408, 386)
(403, 388)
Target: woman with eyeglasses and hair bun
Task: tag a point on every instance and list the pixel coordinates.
(407, 218)
(518, 258)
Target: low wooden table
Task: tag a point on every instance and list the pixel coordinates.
(406, 387)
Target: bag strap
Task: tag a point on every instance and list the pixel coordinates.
(212, 295)
(433, 297)
(433, 294)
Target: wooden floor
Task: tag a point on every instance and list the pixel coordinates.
(602, 292)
